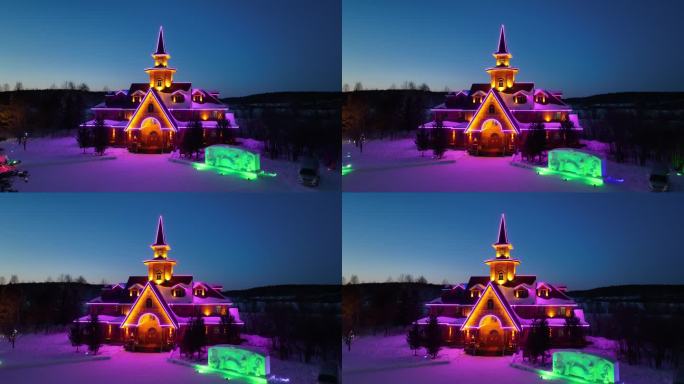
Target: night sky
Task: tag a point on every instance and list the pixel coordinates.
(583, 47)
(239, 240)
(237, 47)
(582, 240)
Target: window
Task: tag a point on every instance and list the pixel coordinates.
(490, 304)
(159, 275)
(150, 108)
(521, 293)
(543, 292)
(159, 83)
(136, 99)
(148, 303)
(501, 277)
(199, 292)
(475, 293)
(501, 83)
(491, 109)
(520, 99)
(134, 292)
(562, 311)
(178, 292)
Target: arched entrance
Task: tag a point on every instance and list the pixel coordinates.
(491, 335)
(151, 132)
(149, 332)
(492, 138)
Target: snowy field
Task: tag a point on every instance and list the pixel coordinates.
(377, 359)
(58, 165)
(397, 166)
(36, 358)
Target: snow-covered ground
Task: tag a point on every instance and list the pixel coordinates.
(58, 165)
(377, 359)
(34, 352)
(397, 166)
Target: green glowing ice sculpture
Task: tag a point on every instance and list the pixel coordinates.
(238, 360)
(231, 160)
(575, 164)
(591, 368)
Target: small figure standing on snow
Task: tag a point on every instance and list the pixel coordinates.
(348, 338)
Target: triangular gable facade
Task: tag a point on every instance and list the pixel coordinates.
(500, 309)
(150, 301)
(501, 113)
(159, 112)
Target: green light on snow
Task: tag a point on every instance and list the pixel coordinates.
(347, 169)
(592, 368)
(227, 160)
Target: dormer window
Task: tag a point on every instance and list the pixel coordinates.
(521, 293)
(200, 292)
(475, 293)
(197, 97)
(541, 99)
(177, 98)
(477, 100)
(491, 109)
(178, 292)
(136, 99)
(543, 292)
(520, 99)
(134, 292)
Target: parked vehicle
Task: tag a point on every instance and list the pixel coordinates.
(658, 180)
(308, 172)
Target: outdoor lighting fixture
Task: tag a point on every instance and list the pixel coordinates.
(237, 363)
(572, 164)
(225, 159)
(347, 169)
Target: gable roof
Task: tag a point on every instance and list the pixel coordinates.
(152, 95)
(502, 105)
(135, 312)
(511, 315)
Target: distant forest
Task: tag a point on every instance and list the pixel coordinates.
(290, 124)
(640, 127)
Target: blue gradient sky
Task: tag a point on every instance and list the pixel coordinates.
(583, 47)
(240, 240)
(582, 240)
(237, 47)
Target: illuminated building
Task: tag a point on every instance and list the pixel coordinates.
(152, 312)
(152, 117)
(492, 314)
(494, 118)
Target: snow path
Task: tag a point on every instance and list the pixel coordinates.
(377, 359)
(58, 165)
(122, 367)
(390, 166)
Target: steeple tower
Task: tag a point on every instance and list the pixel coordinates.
(160, 267)
(502, 266)
(161, 75)
(502, 75)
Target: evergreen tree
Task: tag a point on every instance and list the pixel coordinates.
(93, 338)
(440, 139)
(433, 337)
(100, 136)
(538, 341)
(84, 138)
(573, 331)
(193, 139)
(568, 134)
(75, 335)
(225, 131)
(229, 329)
(535, 142)
(422, 141)
(414, 338)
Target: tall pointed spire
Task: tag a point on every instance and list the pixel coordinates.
(503, 49)
(160, 43)
(161, 240)
(503, 237)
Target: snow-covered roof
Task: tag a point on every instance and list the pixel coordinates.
(443, 320)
